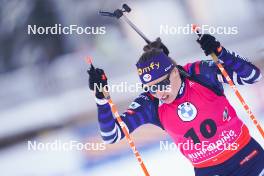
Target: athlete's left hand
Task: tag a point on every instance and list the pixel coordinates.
(209, 44)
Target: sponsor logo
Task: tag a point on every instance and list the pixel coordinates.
(226, 116)
(249, 157)
(191, 83)
(181, 88)
(147, 69)
(147, 77)
(134, 105)
(161, 102)
(187, 111)
(167, 68)
(143, 97)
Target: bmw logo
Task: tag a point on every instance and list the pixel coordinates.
(187, 111)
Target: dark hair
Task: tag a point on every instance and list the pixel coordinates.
(153, 49)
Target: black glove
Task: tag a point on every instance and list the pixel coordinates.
(157, 44)
(97, 80)
(209, 44)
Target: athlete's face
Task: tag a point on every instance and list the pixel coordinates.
(168, 95)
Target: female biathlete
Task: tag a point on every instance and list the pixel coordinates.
(189, 103)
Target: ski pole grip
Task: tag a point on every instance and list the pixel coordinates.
(195, 28)
(89, 60)
(106, 94)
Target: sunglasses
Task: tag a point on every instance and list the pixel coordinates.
(160, 86)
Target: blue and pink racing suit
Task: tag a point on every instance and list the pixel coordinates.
(200, 117)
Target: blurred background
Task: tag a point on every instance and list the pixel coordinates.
(44, 95)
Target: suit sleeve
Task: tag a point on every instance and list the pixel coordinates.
(143, 110)
(240, 70)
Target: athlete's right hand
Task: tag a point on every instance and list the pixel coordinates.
(97, 81)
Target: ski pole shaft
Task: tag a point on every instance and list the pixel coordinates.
(135, 28)
(125, 131)
(123, 126)
(239, 96)
(119, 13)
(232, 85)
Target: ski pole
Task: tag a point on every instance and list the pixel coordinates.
(232, 85)
(135, 29)
(122, 125)
(118, 13)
